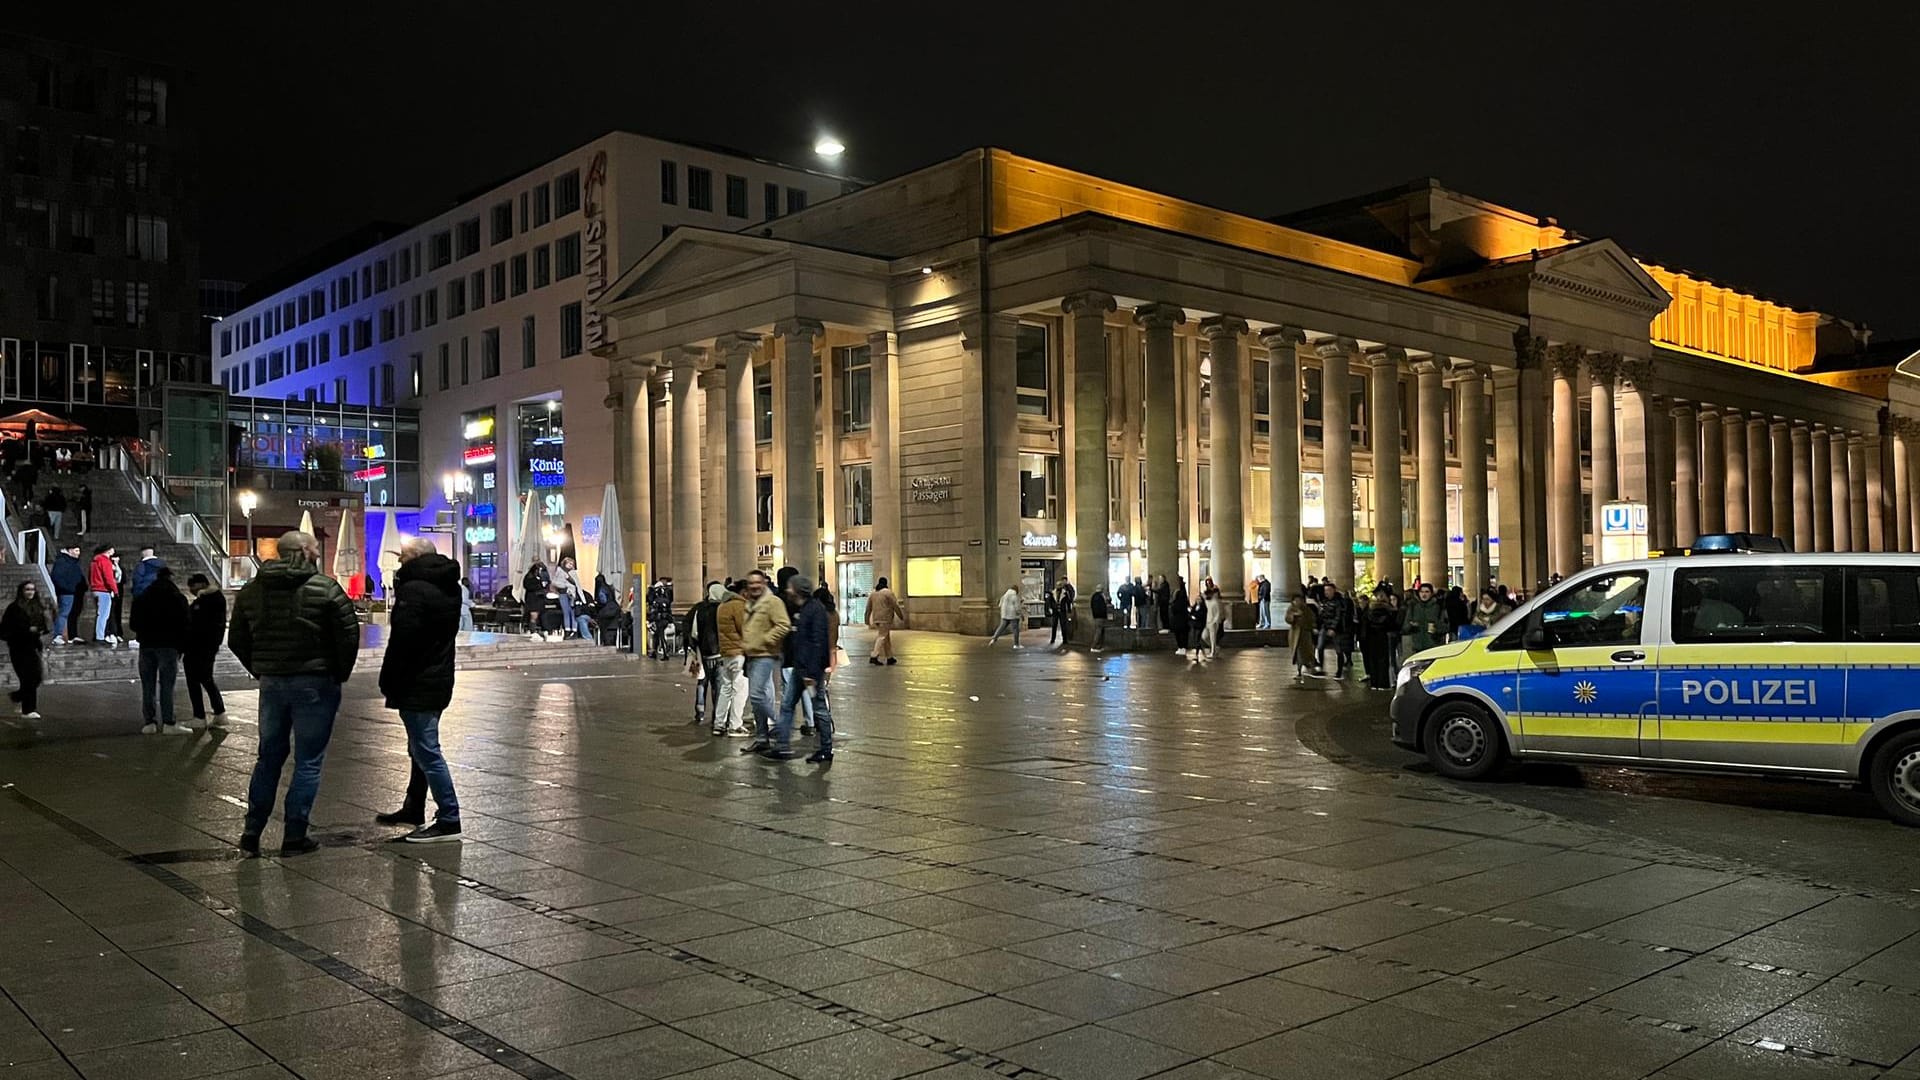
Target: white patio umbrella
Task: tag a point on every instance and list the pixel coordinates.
(346, 549)
(529, 545)
(306, 522)
(613, 545)
(389, 562)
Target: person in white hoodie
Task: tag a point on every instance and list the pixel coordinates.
(1010, 616)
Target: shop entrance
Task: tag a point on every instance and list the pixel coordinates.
(856, 584)
(1037, 578)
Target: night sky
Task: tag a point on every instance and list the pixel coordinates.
(1778, 157)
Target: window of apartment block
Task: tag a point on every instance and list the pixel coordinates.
(440, 249)
(542, 204)
(319, 302)
(542, 266)
(380, 279)
(763, 503)
(855, 374)
(670, 183)
(363, 333)
(770, 201)
(340, 390)
(525, 208)
(490, 353)
(466, 238)
(302, 356)
(699, 188)
(499, 271)
(366, 281)
(502, 214)
(519, 273)
(302, 307)
(466, 363)
(446, 372)
(431, 299)
(796, 200)
(259, 369)
(527, 352)
(103, 306)
(1033, 370)
(147, 237)
(416, 374)
(406, 264)
(136, 293)
(762, 405)
(323, 347)
(1203, 493)
(1116, 493)
(1040, 486)
(566, 254)
(37, 218)
(566, 193)
(570, 330)
(736, 196)
(386, 324)
(456, 298)
(856, 486)
(80, 230)
(146, 101)
(226, 336)
(138, 159)
(346, 338)
(477, 289)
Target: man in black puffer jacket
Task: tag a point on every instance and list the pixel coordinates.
(417, 677)
(296, 631)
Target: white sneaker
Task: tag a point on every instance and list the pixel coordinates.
(150, 729)
(219, 720)
(59, 640)
(175, 729)
(133, 644)
(193, 725)
(30, 716)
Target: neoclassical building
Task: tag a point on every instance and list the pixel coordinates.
(1000, 372)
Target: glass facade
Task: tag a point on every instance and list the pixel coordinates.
(542, 468)
(326, 446)
(481, 511)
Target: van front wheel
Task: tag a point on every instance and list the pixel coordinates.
(1463, 741)
(1894, 775)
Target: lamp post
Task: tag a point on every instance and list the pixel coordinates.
(248, 500)
(456, 485)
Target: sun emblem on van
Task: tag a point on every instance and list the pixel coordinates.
(1584, 692)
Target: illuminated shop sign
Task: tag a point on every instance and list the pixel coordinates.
(548, 472)
(481, 534)
(1039, 540)
(478, 455)
(593, 191)
(377, 472)
(481, 428)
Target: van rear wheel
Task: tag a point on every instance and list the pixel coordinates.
(1463, 741)
(1894, 776)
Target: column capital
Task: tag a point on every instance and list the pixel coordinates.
(977, 326)
(1283, 337)
(1462, 368)
(799, 327)
(1686, 408)
(1388, 355)
(1089, 301)
(1328, 348)
(1780, 422)
(713, 377)
(1729, 415)
(1634, 372)
(1529, 352)
(736, 345)
(1818, 428)
(1565, 360)
(685, 356)
(883, 340)
(1603, 367)
(1220, 326)
(1159, 316)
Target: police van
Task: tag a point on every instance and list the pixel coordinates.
(1761, 663)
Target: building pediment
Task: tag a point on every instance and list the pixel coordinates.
(689, 256)
(1600, 270)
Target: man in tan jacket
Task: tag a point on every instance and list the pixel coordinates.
(763, 626)
(883, 610)
(731, 621)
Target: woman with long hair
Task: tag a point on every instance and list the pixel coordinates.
(24, 628)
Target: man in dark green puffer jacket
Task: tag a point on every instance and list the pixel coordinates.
(296, 631)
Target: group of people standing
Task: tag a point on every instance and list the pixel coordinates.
(1390, 624)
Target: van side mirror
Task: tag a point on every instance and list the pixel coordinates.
(1536, 639)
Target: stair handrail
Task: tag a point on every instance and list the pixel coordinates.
(28, 545)
(152, 493)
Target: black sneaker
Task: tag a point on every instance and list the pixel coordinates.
(754, 747)
(403, 816)
(873, 660)
(806, 731)
(778, 754)
(440, 831)
(298, 845)
(892, 660)
(250, 843)
(819, 757)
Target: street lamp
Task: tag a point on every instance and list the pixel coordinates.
(248, 500)
(456, 485)
(828, 147)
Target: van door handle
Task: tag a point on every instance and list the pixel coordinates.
(1629, 656)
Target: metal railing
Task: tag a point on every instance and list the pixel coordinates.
(183, 528)
(26, 546)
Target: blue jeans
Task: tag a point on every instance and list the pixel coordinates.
(429, 765)
(67, 600)
(296, 709)
(158, 666)
(103, 606)
(822, 716)
(760, 672)
(566, 610)
(1266, 616)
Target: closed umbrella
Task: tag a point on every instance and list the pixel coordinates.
(306, 522)
(389, 562)
(529, 546)
(613, 546)
(346, 549)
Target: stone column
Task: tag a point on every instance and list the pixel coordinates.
(1430, 472)
(1637, 450)
(1162, 439)
(1734, 427)
(1875, 493)
(1759, 476)
(1336, 449)
(688, 555)
(1822, 502)
(1857, 515)
(1521, 420)
(1087, 375)
(1283, 472)
(1567, 531)
(1686, 475)
(883, 351)
(716, 523)
(800, 522)
(660, 409)
(1784, 523)
(1713, 474)
(1840, 492)
(1602, 369)
(1383, 424)
(1912, 504)
(1469, 395)
(633, 461)
(1902, 494)
(1226, 456)
(741, 546)
(985, 488)
(1801, 453)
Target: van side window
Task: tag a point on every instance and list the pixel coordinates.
(1731, 604)
(1883, 605)
(1606, 609)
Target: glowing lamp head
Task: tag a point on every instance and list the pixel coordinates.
(829, 147)
(248, 501)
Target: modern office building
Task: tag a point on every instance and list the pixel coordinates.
(99, 293)
(995, 371)
(487, 319)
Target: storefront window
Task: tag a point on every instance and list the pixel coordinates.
(856, 481)
(481, 512)
(542, 442)
(1039, 486)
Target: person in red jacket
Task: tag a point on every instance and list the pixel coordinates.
(103, 583)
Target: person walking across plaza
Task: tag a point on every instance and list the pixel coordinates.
(1063, 614)
(1180, 620)
(1334, 628)
(55, 505)
(69, 584)
(295, 630)
(1299, 617)
(23, 627)
(1216, 604)
(763, 637)
(1101, 611)
(103, 581)
(701, 632)
(884, 609)
(206, 629)
(812, 658)
(159, 620)
(730, 624)
(1010, 617)
(416, 675)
